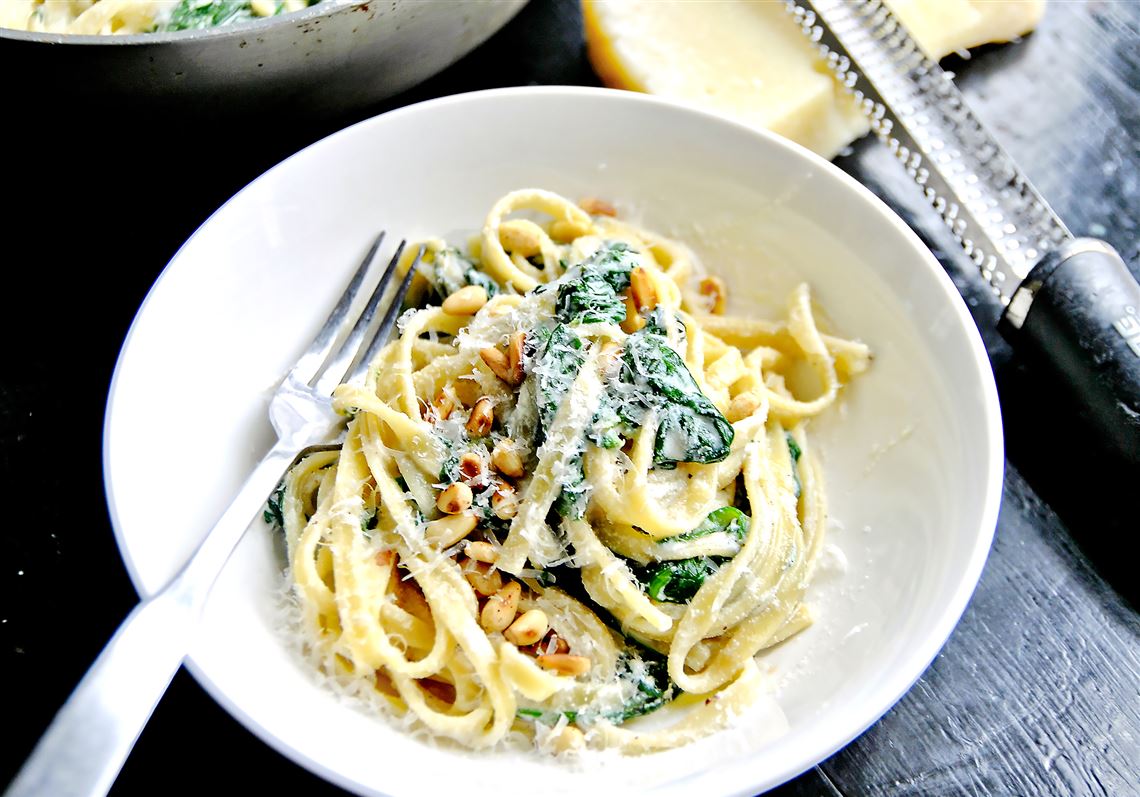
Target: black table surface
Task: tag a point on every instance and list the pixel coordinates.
(1036, 692)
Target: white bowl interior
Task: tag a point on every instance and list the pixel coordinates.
(912, 456)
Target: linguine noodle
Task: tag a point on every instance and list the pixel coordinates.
(571, 490)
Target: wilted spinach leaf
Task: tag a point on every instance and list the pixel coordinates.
(559, 361)
(678, 581)
(728, 519)
(591, 292)
(795, 453)
(691, 428)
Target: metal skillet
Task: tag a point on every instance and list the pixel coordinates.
(330, 58)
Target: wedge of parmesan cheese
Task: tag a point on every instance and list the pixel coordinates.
(748, 60)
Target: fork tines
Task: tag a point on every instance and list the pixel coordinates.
(322, 372)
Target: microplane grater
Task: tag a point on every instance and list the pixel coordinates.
(1001, 220)
(1071, 303)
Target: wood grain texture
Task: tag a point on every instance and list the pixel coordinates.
(1036, 692)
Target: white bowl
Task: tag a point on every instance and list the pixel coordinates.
(913, 457)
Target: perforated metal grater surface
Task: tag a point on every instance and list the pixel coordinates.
(1000, 219)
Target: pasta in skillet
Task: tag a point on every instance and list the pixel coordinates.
(571, 491)
(122, 17)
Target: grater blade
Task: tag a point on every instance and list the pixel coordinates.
(1002, 222)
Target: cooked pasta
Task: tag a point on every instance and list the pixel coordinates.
(100, 17)
(571, 491)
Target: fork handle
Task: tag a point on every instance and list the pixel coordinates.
(91, 736)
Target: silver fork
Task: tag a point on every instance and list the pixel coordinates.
(90, 737)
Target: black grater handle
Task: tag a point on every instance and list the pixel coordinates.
(1078, 313)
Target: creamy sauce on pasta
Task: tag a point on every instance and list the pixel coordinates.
(572, 491)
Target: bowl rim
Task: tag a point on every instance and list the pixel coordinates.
(251, 27)
(735, 777)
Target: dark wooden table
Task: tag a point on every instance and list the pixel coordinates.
(1036, 692)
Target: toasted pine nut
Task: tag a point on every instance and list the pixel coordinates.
(515, 357)
(449, 530)
(742, 406)
(528, 628)
(482, 418)
(466, 301)
(504, 503)
(497, 361)
(440, 690)
(551, 643)
(500, 608)
(500, 364)
(714, 288)
(565, 231)
(563, 663)
(482, 578)
(442, 405)
(410, 597)
(555, 644)
(633, 320)
(597, 207)
(481, 551)
(454, 498)
(567, 740)
(506, 459)
(471, 465)
(642, 290)
(521, 237)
